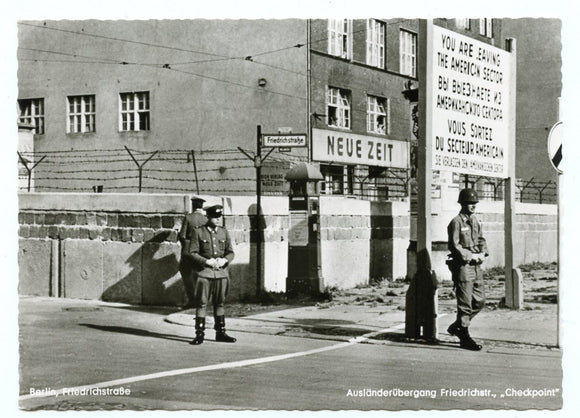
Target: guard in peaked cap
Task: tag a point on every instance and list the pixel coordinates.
(197, 200)
(468, 250)
(186, 265)
(211, 249)
(215, 211)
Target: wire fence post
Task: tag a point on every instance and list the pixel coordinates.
(140, 166)
(29, 169)
(522, 189)
(195, 171)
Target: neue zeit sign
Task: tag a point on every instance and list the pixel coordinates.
(470, 105)
(349, 148)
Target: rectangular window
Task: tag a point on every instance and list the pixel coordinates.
(31, 112)
(376, 43)
(339, 37)
(486, 27)
(134, 109)
(333, 182)
(463, 24)
(408, 49)
(338, 107)
(378, 115)
(80, 114)
(489, 191)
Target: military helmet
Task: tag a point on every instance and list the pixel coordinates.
(468, 196)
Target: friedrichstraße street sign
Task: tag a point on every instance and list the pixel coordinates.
(555, 146)
(284, 140)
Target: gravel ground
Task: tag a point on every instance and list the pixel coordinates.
(540, 292)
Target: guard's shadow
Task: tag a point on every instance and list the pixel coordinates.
(136, 331)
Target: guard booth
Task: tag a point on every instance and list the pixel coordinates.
(304, 276)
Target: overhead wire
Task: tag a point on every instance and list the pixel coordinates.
(169, 67)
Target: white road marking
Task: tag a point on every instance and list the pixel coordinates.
(229, 365)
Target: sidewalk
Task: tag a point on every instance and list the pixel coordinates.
(381, 308)
(533, 328)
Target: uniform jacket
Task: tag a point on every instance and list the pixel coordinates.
(465, 238)
(190, 222)
(209, 243)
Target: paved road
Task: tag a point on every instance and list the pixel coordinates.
(72, 344)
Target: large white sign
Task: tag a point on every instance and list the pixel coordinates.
(348, 148)
(470, 105)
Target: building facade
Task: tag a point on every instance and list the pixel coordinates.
(174, 106)
(539, 87)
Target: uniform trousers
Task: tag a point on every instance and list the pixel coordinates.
(214, 290)
(470, 293)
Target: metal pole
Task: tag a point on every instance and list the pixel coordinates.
(308, 92)
(513, 286)
(258, 165)
(559, 237)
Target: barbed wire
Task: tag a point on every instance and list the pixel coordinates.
(66, 170)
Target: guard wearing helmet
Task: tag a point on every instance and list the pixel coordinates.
(468, 250)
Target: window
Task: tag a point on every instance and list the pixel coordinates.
(339, 31)
(378, 115)
(485, 27)
(408, 47)
(31, 112)
(81, 114)
(134, 111)
(333, 179)
(376, 43)
(489, 191)
(463, 24)
(338, 108)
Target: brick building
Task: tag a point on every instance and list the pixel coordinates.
(166, 105)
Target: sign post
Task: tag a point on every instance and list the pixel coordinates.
(514, 292)
(467, 126)
(271, 141)
(421, 306)
(555, 155)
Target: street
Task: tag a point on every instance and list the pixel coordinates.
(89, 355)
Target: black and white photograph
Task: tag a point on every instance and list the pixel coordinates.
(290, 208)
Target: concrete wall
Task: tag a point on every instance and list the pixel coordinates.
(362, 240)
(536, 235)
(124, 248)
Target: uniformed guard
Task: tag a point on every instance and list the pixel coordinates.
(468, 250)
(186, 265)
(212, 251)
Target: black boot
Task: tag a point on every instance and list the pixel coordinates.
(454, 329)
(220, 330)
(199, 331)
(465, 340)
